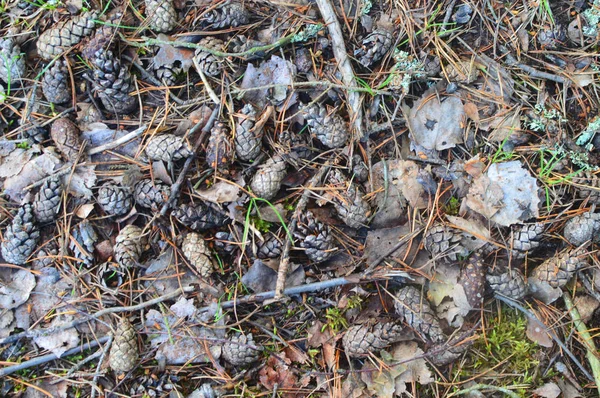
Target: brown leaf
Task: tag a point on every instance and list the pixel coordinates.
(586, 305)
(295, 354)
(84, 211)
(537, 334)
(548, 390)
(277, 372)
(168, 55)
(472, 112)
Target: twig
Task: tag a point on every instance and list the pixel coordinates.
(211, 93)
(478, 387)
(341, 56)
(104, 352)
(118, 142)
(176, 187)
(591, 351)
(511, 61)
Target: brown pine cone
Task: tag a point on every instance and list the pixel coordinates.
(582, 228)
(247, 141)
(124, 352)
(374, 47)
(129, 246)
(113, 83)
(472, 279)
(65, 135)
(168, 148)
(557, 271)
(237, 350)
(267, 180)
(219, 152)
(446, 353)
(510, 283)
(12, 62)
(195, 250)
(526, 238)
(314, 237)
(65, 35)
(83, 243)
(329, 128)
(151, 194)
(47, 200)
(348, 201)
(105, 34)
(208, 63)
(200, 216)
(230, 15)
(414, 309)
(361, 340)
(270, 248)
(444, 243)
(56, 83)
(20, 237)
(588, 186)
(161, 15)
(115, 200)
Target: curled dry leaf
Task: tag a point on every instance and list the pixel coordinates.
(15, 287)
(275, 71)
(168, 55)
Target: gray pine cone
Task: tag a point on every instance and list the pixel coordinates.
(329, 128)
(294, 144)
(12, 63)
(167, 74)
(247, 141)
(360, 169)
(46, 255)
(230, 15)
(124, 352)
(374, 47)
(558, 270)
(444, 243)
(195, 250)
(21, 237)
(200, 216)
(582, 228)
(588, 186)
(161, 15)
(113, 83)
(472, 279)
(83, 243)
(219, 152)
(237, 350)
(47, 200)
(168, 148)
(510, 283)
(208, 63)
(270, 248)
(129, 246)
(115, 200)
(414, 309)
(361, 340)
(151, 194)
(348, 201)
(314, 237)
(55, 83)
(65, 135)
(267, 180)
(65, 35)
(526, 238)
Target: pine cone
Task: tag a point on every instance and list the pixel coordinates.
(270, 248)
(237, 351)
(588, 186)
(295, 144)
(348, 201)
(582, 228)
(105, 34)
(414, 309)
(200, 216)
(314, 237)
(219, 152)
(65, 135)
(34, 134)
(161, 15)
(208, 63)
(444, 243)
(55, 83)
(47, 200)
(46, 255)
(557, 271)
(115, 200)
(472, 279)
(12, 62)
(83, 243)
(113, 83)
(195, 250)
(111, 275)
(329, 128)
(526, 238)
(224, 242)
(374, 47)
(360, 169)
(247, 141)
(510, 283)
(361, 340)
(65, 35)
(230, 15)
(267, 180)
(167, 74)
(21, 237)
(129, 246)
(168, 148)
(151, 194)
(124, 352)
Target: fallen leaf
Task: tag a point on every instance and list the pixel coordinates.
(7, 323)
(160, 172)
(381, 241)
(81, 182)
(443, 282)
(35, 170)
(56, 390)
(99, 134)
(537, 334)
(189, 347)
(295, 354)
(61, 341)
(505, 125)
(277, 373)
(84, 211)
(568, 389)
(472, 112)
(15, 287)
(548, 390)
(157, 328)
(169, 55)
(416, 371)
(14, 162)
(586, 306)
(184, 308)
(261, 278)
(276, 71)
(267, 213)
(221, 192)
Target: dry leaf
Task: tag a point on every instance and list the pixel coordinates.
(84, 211)
(504, 125)
(472, 112)
(537, 334)
(14, 162)
(276, 71)
(586, 306)
(35, 170)
(548, 390)
(188, 346)
(7, 323)
(61, 341)
(221, 192)
(381, 241)
(261, 278)
(169, 55)
(277, 372)
(184, 308)
(15, 287)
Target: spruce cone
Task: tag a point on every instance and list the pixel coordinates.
(414, 309)
(270, 248)
(314, 237)
(208, 63)
(115, 200)
(12, 63)
(472, 279)
(557, 271)
(230, 15)
(111, 275)
(65, 35)
(329, 128)
(47, 200)
(167, 74)
(83, 243)
(21, 237)
(151, 194)
(361, 340)
(445, 243)
(267, 180)
(247, 141)
(161, 15)
(65, 135)
(510, 283)
(374, 47)
(237, 351)
(168, 148)
(195, 250)
(588, 186)
(219, 152)
(348, 201)
(582, 228)
(124, 350)
(55, 83)
(113, 83)
(129, 246)
(200, 216)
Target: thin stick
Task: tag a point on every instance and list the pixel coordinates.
(104, 352)
(120, 141)
(478, 387)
